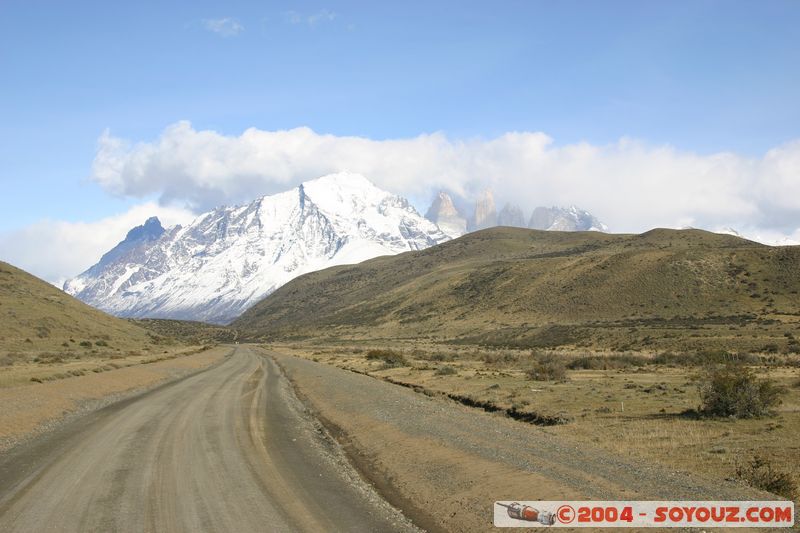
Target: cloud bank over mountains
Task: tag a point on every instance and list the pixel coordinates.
(630, 184)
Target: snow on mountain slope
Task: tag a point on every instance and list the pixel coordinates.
(229, 258)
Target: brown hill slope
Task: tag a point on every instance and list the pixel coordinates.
(664, 289)
(35, 316)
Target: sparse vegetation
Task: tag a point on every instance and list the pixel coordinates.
(446, 370)
(600, 362)
(390, 358)
(548, 368)
(36, 317)
(161, 330)
(761, 473)
(704, 358)
(735, 391)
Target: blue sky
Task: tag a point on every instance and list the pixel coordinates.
(700, 76)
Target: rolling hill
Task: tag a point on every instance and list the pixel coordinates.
(661, 290)
(38, 317)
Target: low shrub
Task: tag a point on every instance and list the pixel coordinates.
(603, 362)
(547, 368)
(48, 358)
(390, 358)
(434, 356)
(446, 370)
(735, 391)
(502, 358)
(762, 474)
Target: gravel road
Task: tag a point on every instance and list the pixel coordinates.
(228, 449)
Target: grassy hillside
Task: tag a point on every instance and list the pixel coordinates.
(661, 290)
(37, 318)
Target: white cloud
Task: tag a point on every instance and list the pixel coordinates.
(293, 17)
(56, 250)
(323, 15)
(631, 185)
(226, 27)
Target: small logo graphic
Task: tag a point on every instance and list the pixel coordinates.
(526, 513)
(641, 514)
(565, 514)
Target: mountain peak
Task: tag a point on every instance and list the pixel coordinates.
(135, 242)
(343, 180)
(442, 206)
(443, 212)
(485, 211)
(511, 215)
(151, 229)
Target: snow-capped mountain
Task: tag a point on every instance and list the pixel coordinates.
(229, 258)
(565, 219)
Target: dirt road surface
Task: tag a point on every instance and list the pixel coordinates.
(229, 449)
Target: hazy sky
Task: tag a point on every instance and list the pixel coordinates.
(646, 113)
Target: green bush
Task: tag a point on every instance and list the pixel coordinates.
(735, 391)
